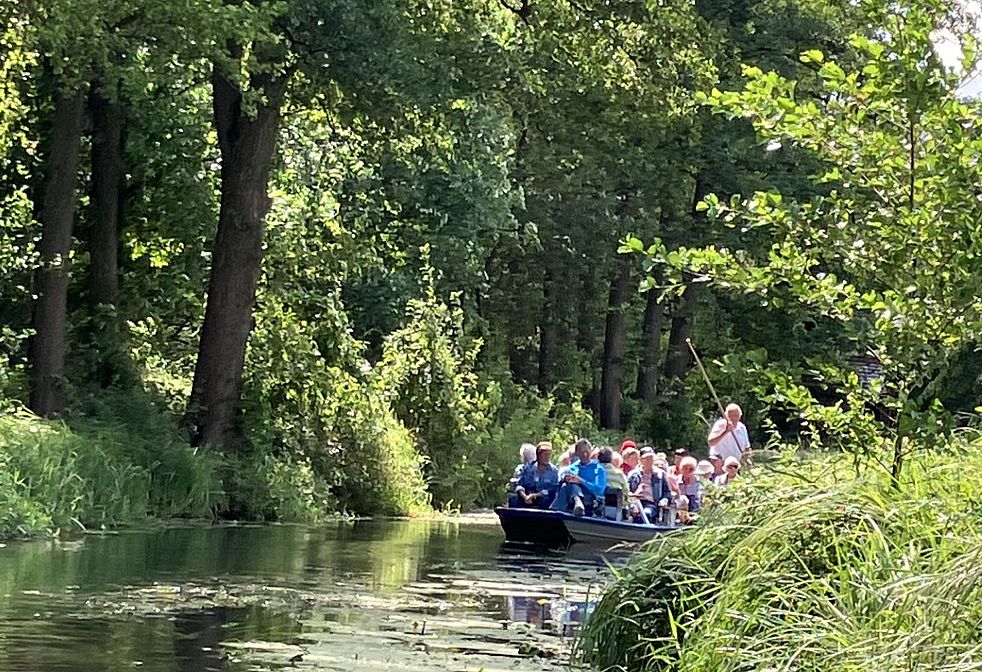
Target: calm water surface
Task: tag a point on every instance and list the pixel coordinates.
(367, 595)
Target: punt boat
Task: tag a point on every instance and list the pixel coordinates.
(558, 528)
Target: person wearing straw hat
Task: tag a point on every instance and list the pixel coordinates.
(728, 436)
(704, 471)
(538, 482)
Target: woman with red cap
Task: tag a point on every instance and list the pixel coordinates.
(629, 453)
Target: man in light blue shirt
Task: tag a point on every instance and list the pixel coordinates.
(581, 483)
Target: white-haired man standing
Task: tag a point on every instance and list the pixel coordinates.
(728, 437)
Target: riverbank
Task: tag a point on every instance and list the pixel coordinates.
(133, 467)
(121, 457)
(816, 565)
(69, 478)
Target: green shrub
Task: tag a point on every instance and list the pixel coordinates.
(264, 486)
(184, 480)
(383, 470)
(336, 427)
(428, 374)
(816, 570)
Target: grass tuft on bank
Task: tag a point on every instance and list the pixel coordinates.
(94, 474)
(810, 569)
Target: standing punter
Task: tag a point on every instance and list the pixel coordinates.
(728, 437)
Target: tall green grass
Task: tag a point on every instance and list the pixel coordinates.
(120, 459)
(817, 570)
(55, 476)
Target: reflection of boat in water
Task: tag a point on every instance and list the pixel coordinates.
(557, 528)
(533, 610)
(559, 615)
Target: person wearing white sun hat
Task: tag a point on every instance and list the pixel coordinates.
(731, 470)
(704, 470)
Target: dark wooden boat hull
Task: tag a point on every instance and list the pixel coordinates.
(560, 529)
(602, 531)
(534, 526)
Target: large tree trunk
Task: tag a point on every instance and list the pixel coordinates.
(679, 359)
(654, 317)
(586, 335)
(615, 343)
(548, 334)
(51, 282)
(107, 190)
(247, 145)
(107, 193)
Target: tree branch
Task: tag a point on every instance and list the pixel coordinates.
(523, 11)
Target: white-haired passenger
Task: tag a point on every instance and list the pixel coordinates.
(689, 498)
(526, 454)
(728, 436)
(731, 470)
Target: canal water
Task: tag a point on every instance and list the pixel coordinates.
(362, 595)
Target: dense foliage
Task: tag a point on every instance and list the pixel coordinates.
(884, 257)
(812, 567)
(865, 561)
(346, 256)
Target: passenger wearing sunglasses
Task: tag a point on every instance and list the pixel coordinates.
(731, 470)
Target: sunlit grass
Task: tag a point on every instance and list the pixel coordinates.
(59, 478)
(816, 571)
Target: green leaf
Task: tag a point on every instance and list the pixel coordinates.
(812, 56)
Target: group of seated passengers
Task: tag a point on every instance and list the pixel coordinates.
(650, 488)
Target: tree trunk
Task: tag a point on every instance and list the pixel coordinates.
(679, 359)
(247, 145)
(548, 334)
(51, 281)
(654, 316)
(615, 343)
(198, 644)
(107, 190)
(107, 194)
(586, 336)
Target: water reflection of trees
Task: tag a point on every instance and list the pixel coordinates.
(198, 637)
(383, 556)
(99, 608)
(199, 634)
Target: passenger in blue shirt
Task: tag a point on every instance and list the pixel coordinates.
(538, 481)
(581, 483)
